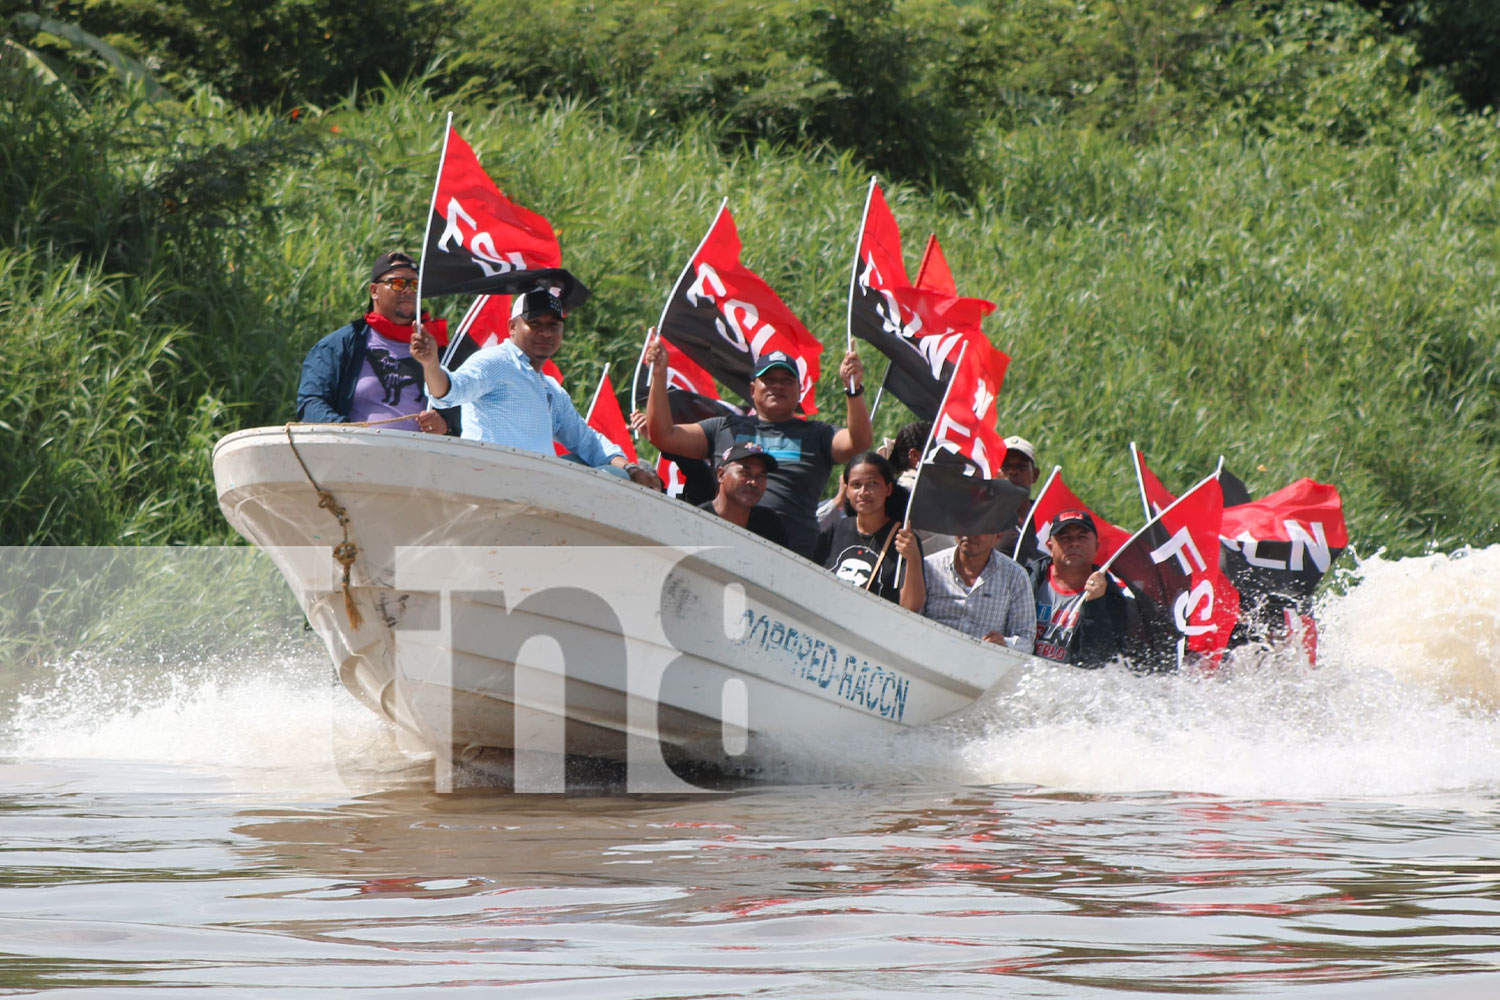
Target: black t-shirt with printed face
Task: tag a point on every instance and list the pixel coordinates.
(803, 450)
(853, 556)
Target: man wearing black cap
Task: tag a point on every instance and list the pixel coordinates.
(805, 450)
(743, 472)
(364, 370)
(507, 398)
(1082, 617)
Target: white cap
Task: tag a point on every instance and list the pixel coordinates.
(1023, 446)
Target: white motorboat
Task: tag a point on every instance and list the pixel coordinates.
(514, 607)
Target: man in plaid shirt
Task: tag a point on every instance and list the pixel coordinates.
(975, 589)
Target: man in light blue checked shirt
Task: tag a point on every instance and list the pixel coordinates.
(975, 589)
(506, 398)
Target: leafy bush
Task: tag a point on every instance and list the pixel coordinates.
(257, 53)
(888, 80)
(1458, 41)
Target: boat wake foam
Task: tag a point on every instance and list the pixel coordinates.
(1405, 702)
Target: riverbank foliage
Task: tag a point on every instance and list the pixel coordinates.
(1262, 230)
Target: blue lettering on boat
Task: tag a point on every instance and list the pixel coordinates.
(876, 688)
(762, 623)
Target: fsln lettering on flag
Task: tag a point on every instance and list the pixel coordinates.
(965, 423)
(1174, 562)
(724, 317)
(476, 233)
(958, 490)
(1278, 548)
(920, 327)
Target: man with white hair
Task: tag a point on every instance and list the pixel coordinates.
(506, 398)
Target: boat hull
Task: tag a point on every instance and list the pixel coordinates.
(513, 605)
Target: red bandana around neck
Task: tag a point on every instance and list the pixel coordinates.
(392, 330)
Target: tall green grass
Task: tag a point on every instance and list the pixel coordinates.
(1301, 306)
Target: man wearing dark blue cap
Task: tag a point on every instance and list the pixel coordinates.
(1082, 617)
(743, 472)
(506, 397)
(805, 450)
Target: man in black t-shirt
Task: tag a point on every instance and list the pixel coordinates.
(805, 450)
(742, 472)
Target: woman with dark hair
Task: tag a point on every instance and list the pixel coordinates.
(863, 547)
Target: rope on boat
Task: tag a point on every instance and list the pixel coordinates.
(345, 552)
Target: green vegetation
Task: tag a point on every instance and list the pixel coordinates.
(1266, 230)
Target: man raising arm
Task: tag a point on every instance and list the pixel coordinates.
(805, 450)
(509, 401)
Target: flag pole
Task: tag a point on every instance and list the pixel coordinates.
(1169, 507)
(661, 324)
(1030, 521)
(432, 206)
(880, 392)
(635, 380)
(464, 324)
(932, 431)
(926, 256)
(859, 239)
(597, 390)
(1140, 481)
(927, 448)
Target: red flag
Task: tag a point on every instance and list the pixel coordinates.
(691, 392)
(605, 417)
(474, 232)
(1174, 561)
(1154, 496)
(1054, 498)
(671, 476)
(966, 421)
(1281, 545)
(1308, 516)
(724, 317)
(933, 273)
(919, 328)
(486, 324)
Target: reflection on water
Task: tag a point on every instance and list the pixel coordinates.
(236, 823)
(788, 891)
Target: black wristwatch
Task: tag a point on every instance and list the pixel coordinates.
(851, 393)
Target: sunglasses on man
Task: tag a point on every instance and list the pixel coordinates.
(399, 284)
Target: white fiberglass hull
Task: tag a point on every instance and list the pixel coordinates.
(520, 604)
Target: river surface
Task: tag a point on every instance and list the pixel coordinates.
(210, 824)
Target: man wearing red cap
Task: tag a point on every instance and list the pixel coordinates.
(364, 370)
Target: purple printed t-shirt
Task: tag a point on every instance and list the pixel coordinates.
(390, 384)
